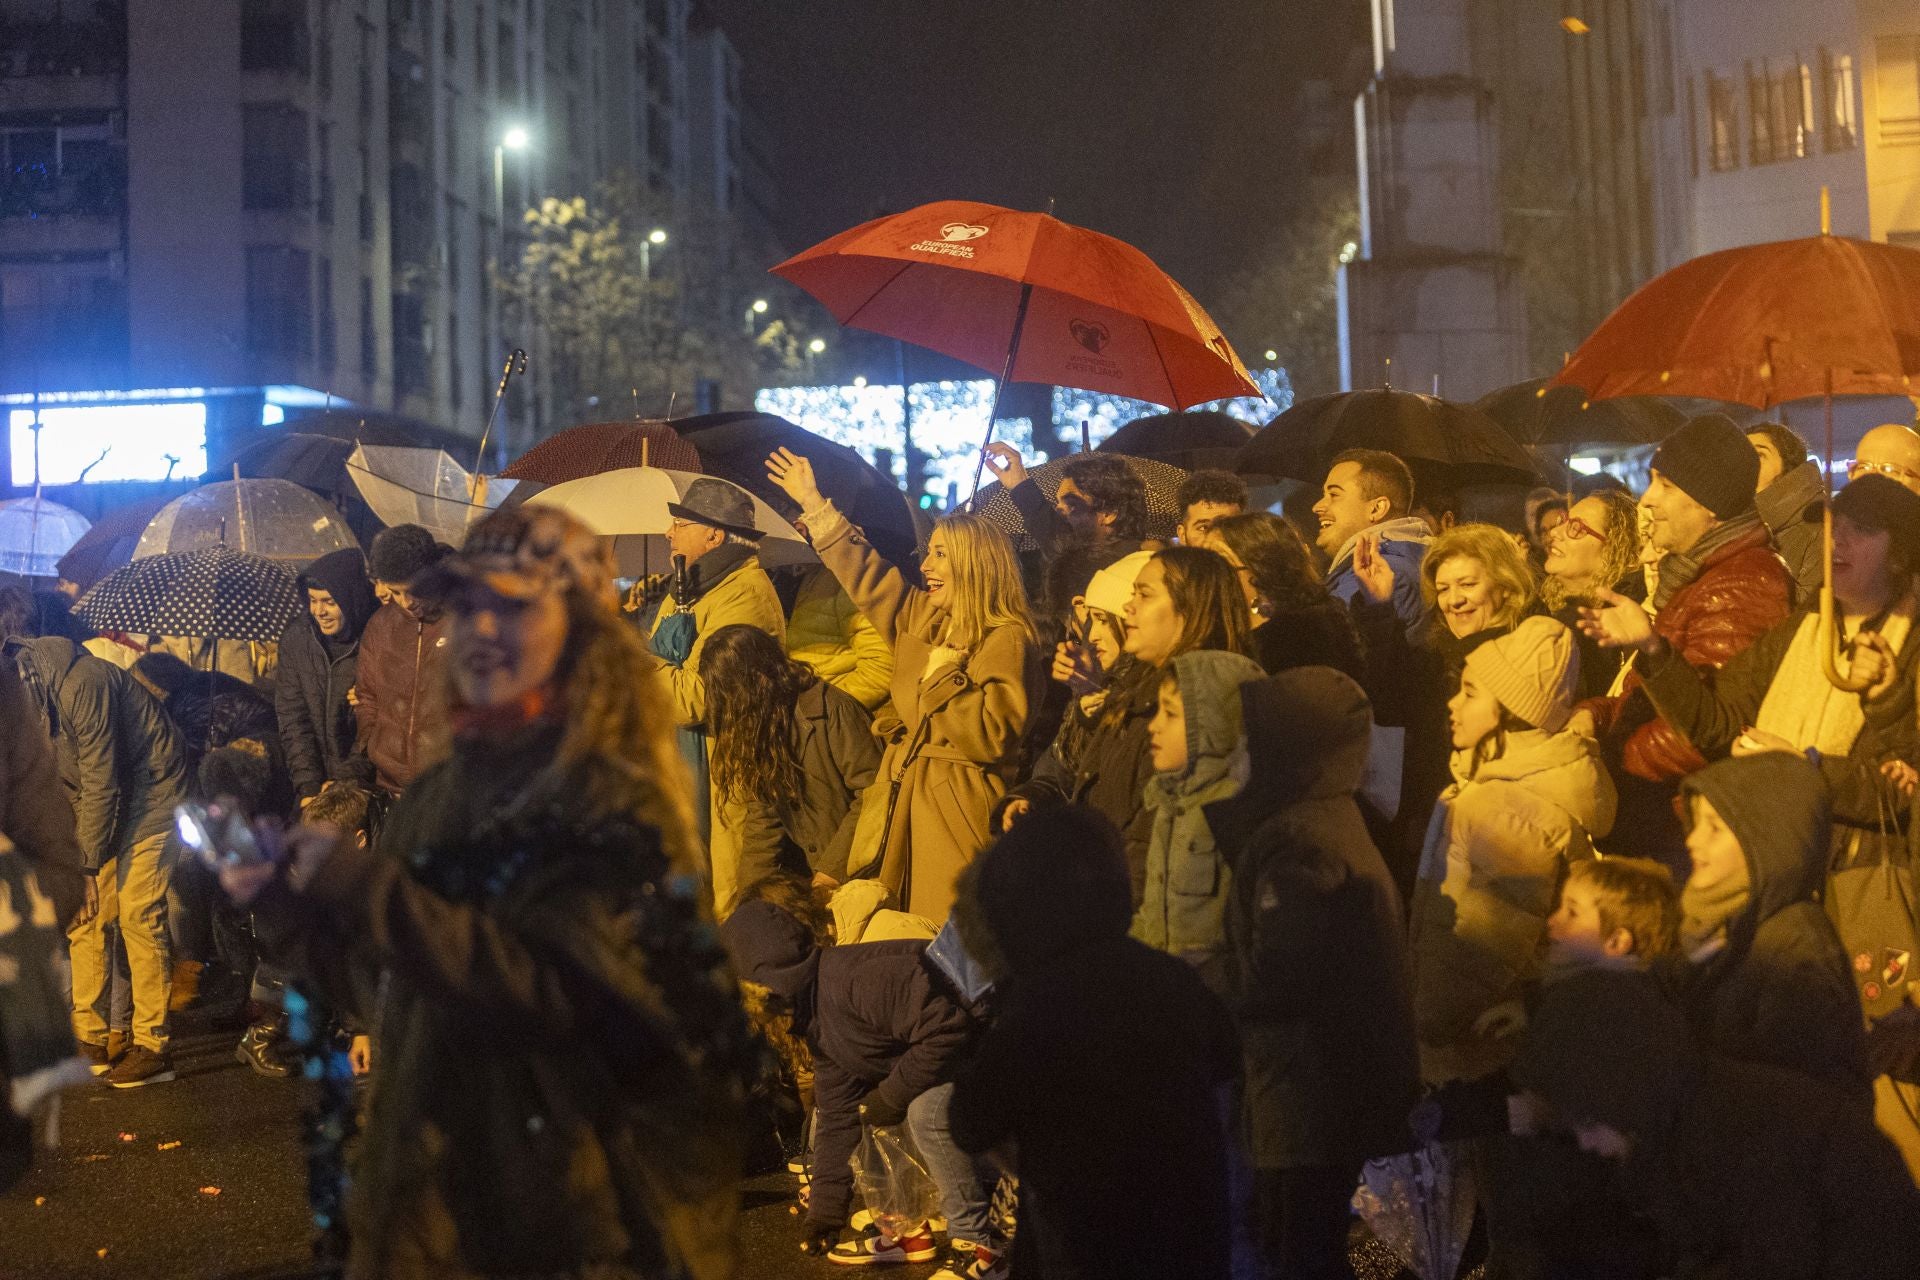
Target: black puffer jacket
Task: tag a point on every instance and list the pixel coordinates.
(1750, 1172)
(1321, 982)
(1780, 990)
(316, 721)
(34, 815)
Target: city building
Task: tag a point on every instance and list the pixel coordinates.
(214, 213)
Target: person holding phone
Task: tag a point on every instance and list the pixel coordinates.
(567, 1057)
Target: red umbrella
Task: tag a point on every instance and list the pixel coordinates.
(1762, 325)
(1036, 298)
(588, 450)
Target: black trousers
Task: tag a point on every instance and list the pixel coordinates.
(1302, 1216)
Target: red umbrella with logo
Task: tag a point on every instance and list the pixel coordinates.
(1038, 299)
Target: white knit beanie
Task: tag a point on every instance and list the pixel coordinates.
(1532, 671)
(1112, 586)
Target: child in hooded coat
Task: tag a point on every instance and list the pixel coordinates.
(1762, 975)
(1199, 755)
(1528, 796)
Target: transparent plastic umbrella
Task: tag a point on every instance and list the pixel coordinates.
(274, 519)
(425, 487)
(35, 533)
(630, 506)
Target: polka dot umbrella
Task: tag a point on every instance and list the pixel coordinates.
(1162, 483)
(215, 591)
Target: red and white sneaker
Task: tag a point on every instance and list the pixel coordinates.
(874, 1248)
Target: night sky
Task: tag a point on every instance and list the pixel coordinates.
(1164, 122)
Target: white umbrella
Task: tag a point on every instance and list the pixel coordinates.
(406, 485)
(630, 506)
(276, 519)
(35, 533)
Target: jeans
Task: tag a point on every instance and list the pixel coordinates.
(966, 1184)
(116, 1000)
(132, 890)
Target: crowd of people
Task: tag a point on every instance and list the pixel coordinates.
(1152, 889)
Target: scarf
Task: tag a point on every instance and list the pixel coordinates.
(509, 718)
(704, 574)
(1802, 707)
(1678, 568)
(1706, 913)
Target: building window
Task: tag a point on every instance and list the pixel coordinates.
(659, 15)
(369, 340)
(1838, 126)
(329, 351)
(1693, 131)
(274, 36)
(659, 139)
(62, 322)
(1759, 115)
(1723, 125)
(1790, 109)
(274, 156)
(455, 378)
(409, 344)
(279, 304)
(324, 206)
(1896, 76)
(64, 166)
(323, 50)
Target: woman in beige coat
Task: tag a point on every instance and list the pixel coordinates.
(966, 671)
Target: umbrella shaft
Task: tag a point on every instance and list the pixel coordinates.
(1000, 387)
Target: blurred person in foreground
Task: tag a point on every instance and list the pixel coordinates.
(565, 1060)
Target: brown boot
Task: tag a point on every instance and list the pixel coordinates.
(186, 985)
(118, 1042)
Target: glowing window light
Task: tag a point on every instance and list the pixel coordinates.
(1106, 414)
(138, 441)
(272, 415)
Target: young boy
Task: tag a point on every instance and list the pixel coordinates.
(1614, 912)
(350, 809)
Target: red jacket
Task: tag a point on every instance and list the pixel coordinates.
(1742, 590)
(399, 687)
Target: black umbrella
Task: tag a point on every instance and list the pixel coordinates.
(1537, 414)
(311, 461)
(1191, 441)
(735, 446)
(110, 542)
(1456, 443)
(215, 591)
(1162, 481)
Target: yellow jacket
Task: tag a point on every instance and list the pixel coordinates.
(828, 634)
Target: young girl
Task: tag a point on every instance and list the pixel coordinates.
(966, 672)
(793, 752)
(1527, 795)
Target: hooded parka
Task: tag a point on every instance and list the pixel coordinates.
(316, 721)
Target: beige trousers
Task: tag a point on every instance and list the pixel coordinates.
(133, 894)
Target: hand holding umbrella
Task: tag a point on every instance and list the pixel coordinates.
(794, 475)
(1008, 467)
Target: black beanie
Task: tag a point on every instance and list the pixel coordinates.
(1881, 505)
(1711, 461)
(401, 552)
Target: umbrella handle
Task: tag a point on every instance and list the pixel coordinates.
(1826, 635)
(1000, 387)
(516, 363)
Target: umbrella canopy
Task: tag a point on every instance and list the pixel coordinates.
(424, 487)
(311, 461)
(603, 446)
(109, 543)
(34, 533)
(1203, 438)
(215, 591)
(1163, 498)
(1025, 295)
(1762, 325)
(1454, 442)
(276, 519)
(1538, 413)
(735, 446)
(630, 506)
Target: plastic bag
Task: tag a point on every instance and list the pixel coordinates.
(892, 1182)
(1420, 1205)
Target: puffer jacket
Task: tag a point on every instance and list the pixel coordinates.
(1183, 906)
(1783, 509)
(734, 589)
(121, 759)
(1102, 762)
(563, 1087)
(1741, 590)
(1403, 544)
(1781, 990)
(827, 633)
(400, 683)
(1319, 975)
(310, 687)
(1500, 839)
(34, 816)
(838, 757)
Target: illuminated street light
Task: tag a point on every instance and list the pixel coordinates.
(860, 380)
(516, 139)
(656, 236)
(817, 346)
(1272, 355)
(759, 306)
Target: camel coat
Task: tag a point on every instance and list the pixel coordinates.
(953, 736)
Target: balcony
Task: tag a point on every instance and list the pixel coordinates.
(63, 48)
(98, 190)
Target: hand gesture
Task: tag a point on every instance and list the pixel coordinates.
(1005, 462)
(1581, 723)
(794, 475)
(1502, 1022)
(360, 1055)
(1872, 661)
(90, 903)
(1371, 569)
(1902, 775)
(1753, 742)
(1617, 623)
(1014, 810)
(1078, 669)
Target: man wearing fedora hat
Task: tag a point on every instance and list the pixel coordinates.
(723, 584)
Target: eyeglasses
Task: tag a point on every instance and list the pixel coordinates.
(1573, 528)
(1892, 470)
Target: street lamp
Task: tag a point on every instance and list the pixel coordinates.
(817, 346)
(1271, 355)
(759, 308)
(655, 238)
(513, 138)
